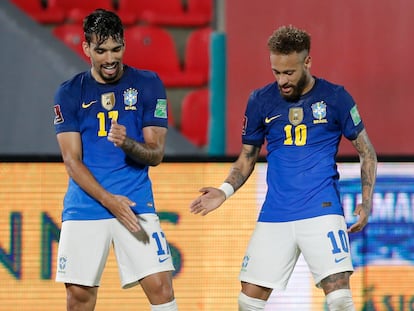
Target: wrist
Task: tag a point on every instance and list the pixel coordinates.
(227, 189)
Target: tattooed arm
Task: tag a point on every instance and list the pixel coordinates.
(149, 153)
(243, 166)
(368, 160)
(211, 197)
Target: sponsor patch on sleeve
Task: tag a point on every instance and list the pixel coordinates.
(355, 115)
(161, 109)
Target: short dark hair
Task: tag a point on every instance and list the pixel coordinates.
(104, 24)
(289, 39)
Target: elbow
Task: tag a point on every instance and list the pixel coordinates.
(156, 160)
(71, 165)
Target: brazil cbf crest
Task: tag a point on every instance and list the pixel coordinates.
(319, 112)
(130, 99)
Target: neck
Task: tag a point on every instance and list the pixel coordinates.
(309, 84)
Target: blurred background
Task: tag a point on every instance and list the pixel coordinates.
(210, 55)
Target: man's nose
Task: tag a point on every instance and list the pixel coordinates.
(109, 57)
(282, 79)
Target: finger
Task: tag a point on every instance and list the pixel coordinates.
(197, 210)
(133, 225)
(204, 190)
(354, 228)
(194, 204)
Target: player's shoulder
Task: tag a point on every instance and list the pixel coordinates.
(73, 82)
(142, 74)
(264, 91)
(329, 86)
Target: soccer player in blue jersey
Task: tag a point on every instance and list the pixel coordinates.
(111, 124)
(302, 118)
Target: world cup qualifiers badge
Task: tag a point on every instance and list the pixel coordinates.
(130, 99)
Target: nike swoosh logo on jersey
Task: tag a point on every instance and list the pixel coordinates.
(268, 120)
(87, 105)
(337, 260)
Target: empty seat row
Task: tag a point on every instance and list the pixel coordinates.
(154, 12)
(154, 48)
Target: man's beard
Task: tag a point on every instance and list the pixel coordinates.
(297, 90)
(109, 79)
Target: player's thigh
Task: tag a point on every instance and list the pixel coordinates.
(83, 251)
(325, 246)
(143, 253)
(271, 255)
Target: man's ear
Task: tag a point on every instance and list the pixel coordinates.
(308, 62)
(86, 48)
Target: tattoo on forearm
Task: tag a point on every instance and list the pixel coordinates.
(141, 153)
(243, 167)
(368, 159)
(236, 178)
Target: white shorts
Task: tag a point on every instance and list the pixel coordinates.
(274, 249)
(84, 247)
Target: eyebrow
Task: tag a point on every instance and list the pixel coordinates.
(284, 71)
(99, 47)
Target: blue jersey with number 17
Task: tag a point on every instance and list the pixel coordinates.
(302, 142)
(83, 105)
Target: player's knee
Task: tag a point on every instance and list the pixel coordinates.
(340, 300)
(80, 297)
(247, 303)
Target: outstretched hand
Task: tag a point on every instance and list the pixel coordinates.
(210, 199)
(363, 212)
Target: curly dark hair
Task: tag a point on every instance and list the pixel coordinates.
(289, 39)
(104, 24)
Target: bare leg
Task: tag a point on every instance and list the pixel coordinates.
(80, 298)
(338, 293)
(336, 281)
(253, 297)
(256, 291)
(158, 287)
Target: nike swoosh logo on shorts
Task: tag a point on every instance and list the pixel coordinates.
(161, 260)
(87, 105)
(268, 120)
(337, 260)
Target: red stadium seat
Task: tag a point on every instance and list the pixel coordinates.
(195, 115)
(72, 35)
(166, 12)
(158, 12)
(42, 15)
(199, 12)
(197, 56)
(77, 10)
(171, 119)
(153, 48)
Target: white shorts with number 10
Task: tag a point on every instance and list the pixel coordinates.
(274, 249)
(84, 247)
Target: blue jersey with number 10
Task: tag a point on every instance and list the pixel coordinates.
(302, 142)
(83, 105)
